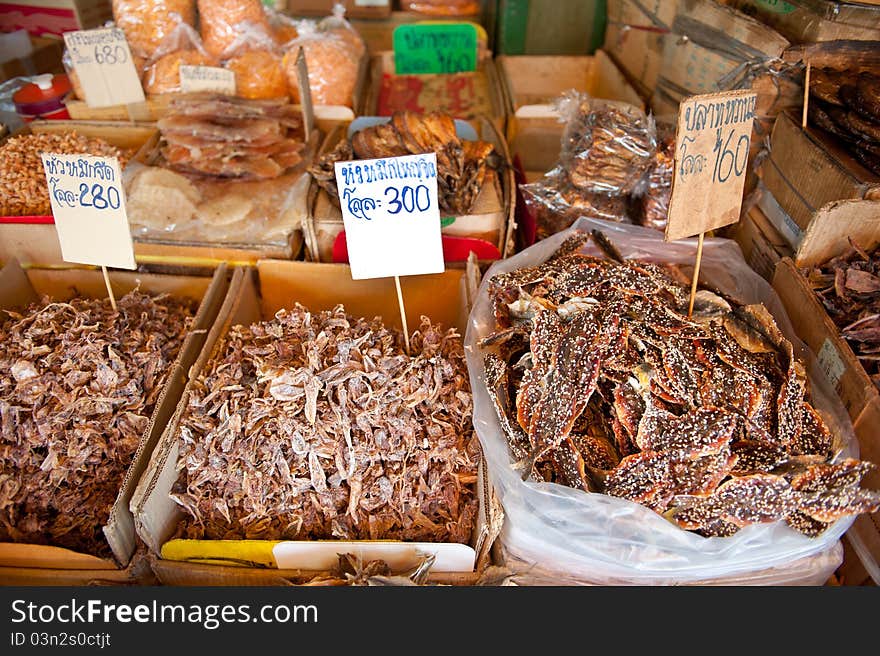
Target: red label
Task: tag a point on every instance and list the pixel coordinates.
(37, 20)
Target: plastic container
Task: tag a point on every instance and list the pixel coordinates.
(43, 98)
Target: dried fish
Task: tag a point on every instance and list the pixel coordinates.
(707, 421)
(78, 382)
(319, 426)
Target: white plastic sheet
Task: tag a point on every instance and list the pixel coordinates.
(558, 534)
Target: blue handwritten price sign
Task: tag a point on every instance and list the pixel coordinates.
(391, 216)
(711, 158)
(88, 204)
(102, 62)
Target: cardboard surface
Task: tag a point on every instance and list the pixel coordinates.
(712, 144)
(318, 287)
(808, 21)
(807, 169)
(491, 217)
(813, 325)
(54, 17)
(45, 57)
(635, 36)
(18, 288)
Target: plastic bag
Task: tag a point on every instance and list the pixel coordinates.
(147, 23)
(222, 22)
(259, 74)
(655, 190)
(443, 7)
(181, 47)
(600, 539)
(606, 149)
(333, 51)
(165, 205)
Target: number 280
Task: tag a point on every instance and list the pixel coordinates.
(408, 198)
(98, 200)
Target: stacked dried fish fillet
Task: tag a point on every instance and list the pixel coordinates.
(602, 383)
(311, 426)
(462, 166)
(228, 137)
(78, 382)
(847, 104)
(849, 288)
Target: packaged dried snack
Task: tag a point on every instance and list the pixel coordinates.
(163, 75)
(258, 74)
(333, 51)
(147, 23)
(443, 7)
(222, 22)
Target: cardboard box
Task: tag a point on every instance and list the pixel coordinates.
(828, 236)
(166, 250)
(532, 83)
(634, 38)
(41, 17)
(45, 57)
(444, 297)
(36, 244)
(28, 562)
(548, 27)
(808, 21)
(807, 169)
(462, 95)
(353, 8)
(762, 245)
(491, 218)
(715, 48)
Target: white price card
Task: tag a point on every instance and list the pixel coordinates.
(102, 61)
(391, 216)
(207, 78)
(88, 203)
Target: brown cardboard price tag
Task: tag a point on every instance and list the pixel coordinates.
(711, 155)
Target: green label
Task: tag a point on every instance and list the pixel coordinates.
(776, 6)
(435, 48)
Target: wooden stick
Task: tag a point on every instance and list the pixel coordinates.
(806, 97)
(109, 288)
(696, 274)
(402, 312)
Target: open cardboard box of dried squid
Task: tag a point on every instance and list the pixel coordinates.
(826, 237)
(486, 229)
(257, 296)
(39, 564)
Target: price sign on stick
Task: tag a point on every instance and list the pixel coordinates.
(88, 204)
(207, 78)
(392, 218)
(102, 61)
(712, 144)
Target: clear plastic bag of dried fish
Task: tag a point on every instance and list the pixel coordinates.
(319, 426)
(607, 147)
(78, 383)
(657, 448)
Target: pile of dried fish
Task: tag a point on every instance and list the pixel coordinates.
(847, 104)
(601, 382)
(849, 288)
(228, 137)
(606, 149)
(462, 166)
(319, 426)
(78, 382)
